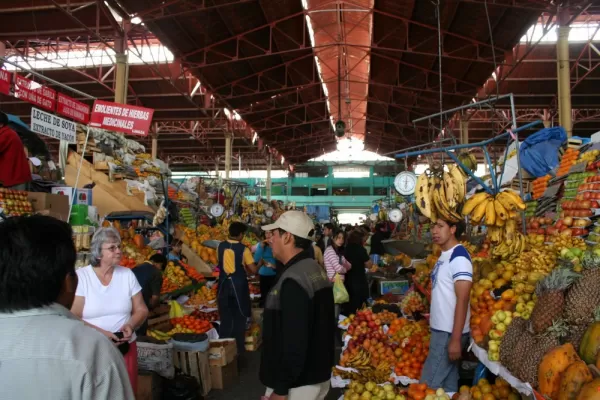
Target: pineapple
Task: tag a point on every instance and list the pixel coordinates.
(531, 356)
(577, 330)
(510, 339)
(584, 296)
(551, 298)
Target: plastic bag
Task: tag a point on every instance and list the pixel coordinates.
(340, 294)
(539, 152)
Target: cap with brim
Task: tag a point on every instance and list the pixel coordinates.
(295, 222)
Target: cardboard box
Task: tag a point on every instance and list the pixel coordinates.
(82, 196)
(222, 351)
(224, 376)
(195, 261)
(53, 205)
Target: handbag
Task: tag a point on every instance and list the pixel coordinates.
(340, 294)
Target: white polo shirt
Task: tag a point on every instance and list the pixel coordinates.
(453, 265)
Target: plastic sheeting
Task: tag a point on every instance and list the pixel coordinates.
(539, 152)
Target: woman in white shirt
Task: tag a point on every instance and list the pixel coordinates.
(109, 297)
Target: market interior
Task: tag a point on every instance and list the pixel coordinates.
(194, 131)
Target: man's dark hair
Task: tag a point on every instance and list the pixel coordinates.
(461, 227)
(356, 237)
(328, 225)
(237, 228)
(380, 226)
(36, 254)
(159, 259)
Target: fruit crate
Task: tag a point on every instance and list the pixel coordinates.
(526, 185)
(195, 363)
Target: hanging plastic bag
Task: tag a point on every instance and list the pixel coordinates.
(539, 152)
(340, 294)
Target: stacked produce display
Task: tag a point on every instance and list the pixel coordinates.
(14, 203)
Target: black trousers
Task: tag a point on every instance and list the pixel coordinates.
(266, 283)
(233, 320)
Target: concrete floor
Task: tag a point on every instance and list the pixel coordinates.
(248, 387)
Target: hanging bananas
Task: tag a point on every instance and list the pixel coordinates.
(438, 196)
(495, 210)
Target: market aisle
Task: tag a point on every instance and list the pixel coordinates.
(248, 387)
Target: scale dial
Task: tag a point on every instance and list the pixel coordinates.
(269, 212)
(216, 210)
(405, 183)
(395, 215)
(373, 217)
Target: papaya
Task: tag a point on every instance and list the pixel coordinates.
(485, 324)
(553, 364)
(573, 379)
(590, 391)
(590, 344)
(139, 241)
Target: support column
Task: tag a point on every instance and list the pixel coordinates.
(121, 66)
(464, 132)
(269, 183)
(154, 140)
(564, 74)
(228, 148)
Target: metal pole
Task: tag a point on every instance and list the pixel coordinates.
(564, 79)
(32, 72)
(466, 106)
(464, 146)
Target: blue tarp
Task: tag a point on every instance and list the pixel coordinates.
(539, 152)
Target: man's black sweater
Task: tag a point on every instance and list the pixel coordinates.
(298, 327)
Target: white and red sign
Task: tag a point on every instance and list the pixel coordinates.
(34, 93)
(5, 81)
(124, 118)
(71, 108)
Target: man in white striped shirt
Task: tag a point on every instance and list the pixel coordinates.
(45, 351)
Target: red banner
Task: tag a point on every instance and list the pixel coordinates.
(34, 93)
(5, 81)
(121, 118)
(71, 108)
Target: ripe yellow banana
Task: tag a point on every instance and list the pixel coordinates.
(490, 213)
(423, 195)
(520, 204)
(459, 181)
(450, 190)
(479, 211)
(501, 212)
(474, 201)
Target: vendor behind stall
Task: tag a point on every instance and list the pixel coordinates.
(149, 276)
(14, 165)
(381, 234)
(234, 295)
(175, 253)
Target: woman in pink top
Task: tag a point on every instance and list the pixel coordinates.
(334, 260)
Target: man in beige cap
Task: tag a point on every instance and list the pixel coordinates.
(299, 322)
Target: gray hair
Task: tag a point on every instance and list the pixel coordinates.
(101, 237)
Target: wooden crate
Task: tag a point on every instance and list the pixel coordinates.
(195, 363)
(527, 185)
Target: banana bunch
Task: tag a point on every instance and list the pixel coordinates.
(360, 360)
(158, 335)
(384, 366)
(508, 242)
(469, 160)
(440, 196)
(493, 210)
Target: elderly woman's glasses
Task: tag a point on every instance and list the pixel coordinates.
(113, 248)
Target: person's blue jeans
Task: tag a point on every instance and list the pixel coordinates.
(439, 371)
